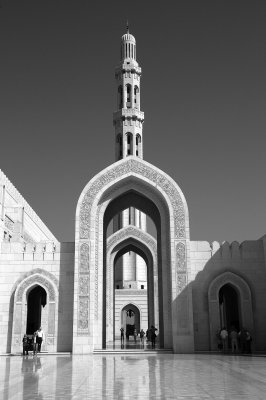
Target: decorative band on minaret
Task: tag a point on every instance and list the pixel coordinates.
(128, 119)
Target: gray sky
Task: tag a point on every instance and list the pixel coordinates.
(202, 91)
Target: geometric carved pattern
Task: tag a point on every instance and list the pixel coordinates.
(83, 319)
(84, 257)
(144, 170)
(234, 280)
(39, 280)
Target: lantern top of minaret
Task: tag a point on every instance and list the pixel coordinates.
(127, 37)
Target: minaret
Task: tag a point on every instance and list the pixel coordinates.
(128, 121)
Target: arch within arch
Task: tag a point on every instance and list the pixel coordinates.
(142, 243)
(150, 184)
(245, 303)
(25, 284)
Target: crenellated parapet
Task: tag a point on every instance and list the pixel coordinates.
(226, 250)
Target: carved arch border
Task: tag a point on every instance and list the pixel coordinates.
(144, 170)
(245, 303)
(28, 277)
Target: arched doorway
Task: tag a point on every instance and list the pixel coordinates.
(134, 183)
(230, 302)
(130, 319)
(229, 307)
(36, 301)
(35, 305)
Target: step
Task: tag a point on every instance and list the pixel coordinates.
(133, 351)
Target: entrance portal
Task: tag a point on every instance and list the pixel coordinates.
(229, 309)
(36, 301)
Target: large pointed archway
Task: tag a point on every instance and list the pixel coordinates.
(132, 182)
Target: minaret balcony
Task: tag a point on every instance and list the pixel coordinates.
(128, 67)
(129, 113)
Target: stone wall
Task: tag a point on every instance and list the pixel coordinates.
(52, 260)
(246, 261)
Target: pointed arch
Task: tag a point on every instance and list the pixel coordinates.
(245, 302)
(29, 280)
(134, 182)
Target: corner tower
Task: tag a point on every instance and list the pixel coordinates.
(128, 119)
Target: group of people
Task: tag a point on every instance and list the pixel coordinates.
(33, 342)
(150, 335)
(239, 340)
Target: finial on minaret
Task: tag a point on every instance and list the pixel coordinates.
(127, 27)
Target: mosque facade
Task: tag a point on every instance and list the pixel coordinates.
(132, 264)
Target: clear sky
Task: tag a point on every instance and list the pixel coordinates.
(202, 91)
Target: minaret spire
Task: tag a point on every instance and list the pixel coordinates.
(128, 119)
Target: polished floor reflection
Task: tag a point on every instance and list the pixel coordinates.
(133, 377)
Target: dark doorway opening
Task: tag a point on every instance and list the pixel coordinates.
(229, 307)
(130, 319)
(36, 300)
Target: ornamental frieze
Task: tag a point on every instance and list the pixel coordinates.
(83, 319)
(84, 257)
(83, 285)
(181, 282)
(180, 257)
(118, 171)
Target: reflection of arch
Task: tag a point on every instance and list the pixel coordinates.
(135, 183)
(23, 286)
(245, 303)
(134, 239)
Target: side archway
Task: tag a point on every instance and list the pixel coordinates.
(28, 282)
(244, 299)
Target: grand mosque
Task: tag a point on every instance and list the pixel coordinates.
(132, 264)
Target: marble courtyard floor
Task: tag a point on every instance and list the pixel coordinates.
(129, 376)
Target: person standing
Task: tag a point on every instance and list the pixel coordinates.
(122, 335)
(39, 339)
(135, 335)
(141, 335)
(153, 336)
(224, 338)
(34, 344)
(234, 340)
(25, 345)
